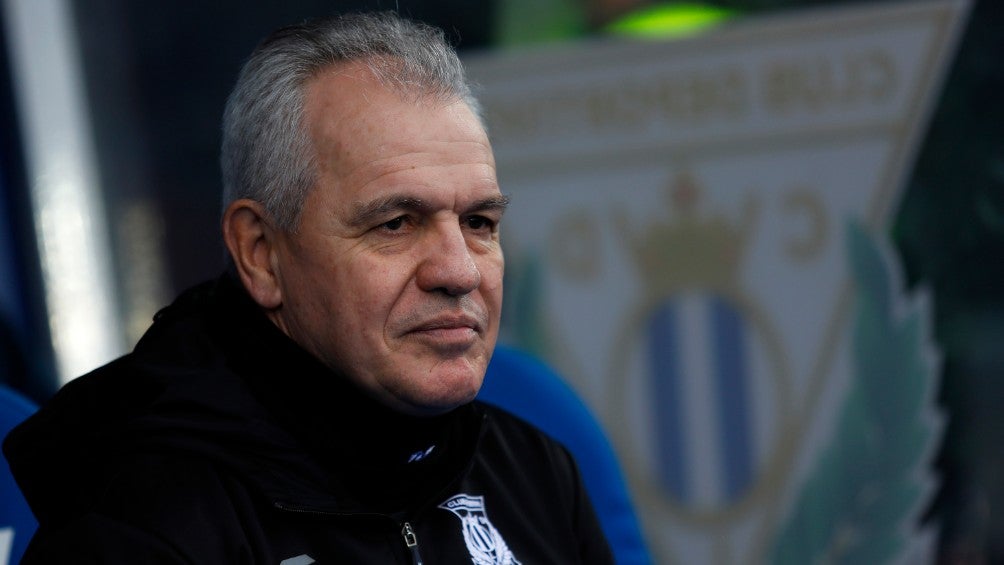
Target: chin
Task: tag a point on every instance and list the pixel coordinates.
(448, 395)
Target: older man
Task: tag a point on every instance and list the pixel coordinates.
(315, 403)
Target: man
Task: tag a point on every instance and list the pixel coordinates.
(315, 403)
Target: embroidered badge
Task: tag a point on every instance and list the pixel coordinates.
(419, 455)
(484, 542)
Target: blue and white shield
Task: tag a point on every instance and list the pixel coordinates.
(698, 348)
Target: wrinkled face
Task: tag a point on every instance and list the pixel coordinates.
(394, 276)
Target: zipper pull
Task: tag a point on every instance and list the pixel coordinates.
(412, 542)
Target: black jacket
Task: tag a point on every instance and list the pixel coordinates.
(219, 440)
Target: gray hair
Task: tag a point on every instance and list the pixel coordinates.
(266, 153)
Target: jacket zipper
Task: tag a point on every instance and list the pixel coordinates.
(410, 539)
(412, 542)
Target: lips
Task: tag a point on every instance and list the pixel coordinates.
(448, 325)
(450, 322)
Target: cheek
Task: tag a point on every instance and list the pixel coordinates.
(374, 287)
(492, 271)
(491, 288)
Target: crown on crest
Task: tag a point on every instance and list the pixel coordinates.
(693, 250)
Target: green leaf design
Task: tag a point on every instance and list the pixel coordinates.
(862, 499)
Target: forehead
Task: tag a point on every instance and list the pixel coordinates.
(361, 127)
(347, 99)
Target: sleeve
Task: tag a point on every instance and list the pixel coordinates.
(94, 539)
(158, 510)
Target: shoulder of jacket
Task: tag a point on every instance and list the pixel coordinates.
(503, 429)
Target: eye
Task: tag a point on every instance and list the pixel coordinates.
(394, 225)
(479, 223)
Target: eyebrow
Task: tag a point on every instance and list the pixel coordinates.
(366, 213)
(500, 203)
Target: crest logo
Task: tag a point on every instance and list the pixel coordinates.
(704, 392)
(702, 380)
(484, 542)
(741, 345)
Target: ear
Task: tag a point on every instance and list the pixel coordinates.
(252, 240)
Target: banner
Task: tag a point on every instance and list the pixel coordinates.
(697, 242)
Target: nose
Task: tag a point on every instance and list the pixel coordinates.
(447, 265)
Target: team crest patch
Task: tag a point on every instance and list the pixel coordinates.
(484, 542)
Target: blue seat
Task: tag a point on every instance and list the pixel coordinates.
(526, 387)
(17, 523)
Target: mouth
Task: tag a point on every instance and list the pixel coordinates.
(458, 322)
(449, 331)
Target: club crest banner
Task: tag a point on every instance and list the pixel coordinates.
(697, 243)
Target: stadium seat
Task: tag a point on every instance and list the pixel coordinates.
(17, 524)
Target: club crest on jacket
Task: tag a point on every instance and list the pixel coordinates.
(484, 542)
